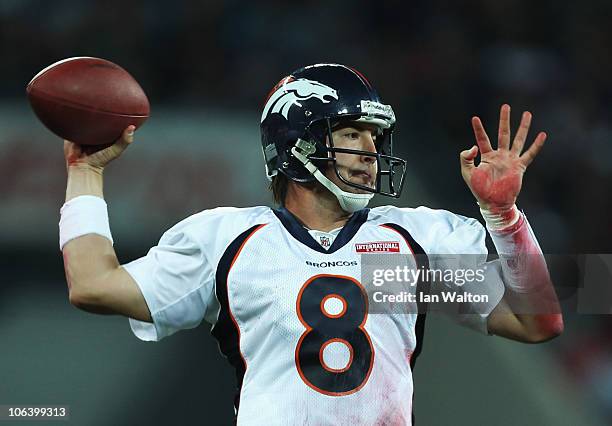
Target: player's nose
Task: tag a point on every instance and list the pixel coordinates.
(368, 145)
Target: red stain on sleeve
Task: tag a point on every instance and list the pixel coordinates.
(533, 276)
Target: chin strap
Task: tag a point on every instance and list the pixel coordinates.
(349, 202)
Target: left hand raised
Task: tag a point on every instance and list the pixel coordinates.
(496, 181)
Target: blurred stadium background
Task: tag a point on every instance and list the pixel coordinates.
(207, 66)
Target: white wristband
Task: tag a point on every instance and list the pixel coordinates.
(498, 221)
(85, 214)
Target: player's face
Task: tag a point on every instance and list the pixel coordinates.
(359, 169)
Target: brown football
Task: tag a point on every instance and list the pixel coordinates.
(87, 100)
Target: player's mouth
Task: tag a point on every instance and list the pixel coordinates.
(363, 176)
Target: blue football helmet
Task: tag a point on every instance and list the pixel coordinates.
(299, 116)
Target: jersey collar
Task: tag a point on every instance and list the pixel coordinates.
(297, 230)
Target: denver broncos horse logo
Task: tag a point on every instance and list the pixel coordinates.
(293, 92)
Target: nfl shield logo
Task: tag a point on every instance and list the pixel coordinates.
(325, 242)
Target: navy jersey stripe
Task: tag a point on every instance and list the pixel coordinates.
(422, 261)
(422, 287)
(226, 330)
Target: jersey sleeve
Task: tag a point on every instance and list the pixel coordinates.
(177, 282)
(462, 248)
(454, 242)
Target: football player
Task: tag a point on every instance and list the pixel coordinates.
(283, 287)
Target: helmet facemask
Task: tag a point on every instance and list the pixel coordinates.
(318, 154)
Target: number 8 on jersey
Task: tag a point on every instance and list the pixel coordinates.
(343, 326)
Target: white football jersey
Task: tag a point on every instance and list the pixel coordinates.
(292, 316)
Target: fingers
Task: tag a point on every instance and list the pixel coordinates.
(71, 147)
(120, 145)
(482, 140)
(533, 150)
(66, 147)
(97, 156)
(127, 137)
(521, 134)
(503, 136)
(116, 149)
(101, 155)
(72, 152)
(466, 158)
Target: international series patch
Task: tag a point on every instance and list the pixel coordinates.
(378, 247)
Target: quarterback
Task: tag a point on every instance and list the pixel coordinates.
(283, 287)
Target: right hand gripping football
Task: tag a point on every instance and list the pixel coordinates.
(97, 157)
